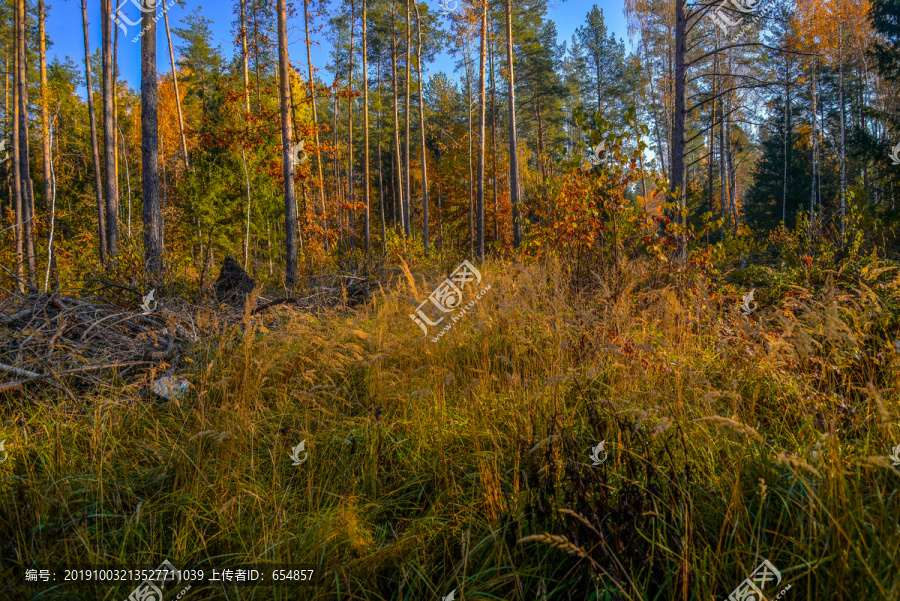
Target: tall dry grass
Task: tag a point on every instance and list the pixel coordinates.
(463, 465)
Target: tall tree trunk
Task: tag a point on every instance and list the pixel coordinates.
(380, 179)
(406, 188)
(787, 109)
(290, 195)
(482, 53)
(513, 150)
(843, 143)
(244, 55)
(184, 150)
(152, 212)
(45, 127)
(815, 154)
(312, 92)
(494, 141)
(422, 136)
(471, 175)
(98, 185)
(19, 202)
(677, 177)
(365, 86)
(24, 151)
(399, 163)
(350, 190)
(109, 134)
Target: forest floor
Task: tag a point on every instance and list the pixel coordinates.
(462, 469)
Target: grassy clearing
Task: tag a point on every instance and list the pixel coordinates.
(731, 440)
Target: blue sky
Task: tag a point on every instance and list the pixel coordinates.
(64, 29)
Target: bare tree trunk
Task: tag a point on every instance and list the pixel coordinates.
(494, 141)
(399, 163)
(380, 176)
(127, 178)
(247, 222)
(843, 144)
(815, 152)
(24, 151)
(365, 51)
(351, 192)
(244, 60)
(471, 175)
(513, 150)
(19, 202)
(406, 188)
(677, 177)
(312, 92)
(98, 185)
(290, 195)
(51, 264)
(45, 126)
(481, 129)
(109, 134)
(184, 150)
(422, 136)
(152, 212)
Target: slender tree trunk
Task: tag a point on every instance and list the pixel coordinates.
(482, 53)
(109, 134)
(51, 264)
(127, 178)
(19, 202)
(312, 92)
(425, 240)
(787, 108)
(677, 177)
(45, 127)
(406, 188)
(513, 150)
(494, 141)
(152, 212)
(244, 58)
(380, 177)
(98, 185)
(247, 221)
(815, 151)
(471, 175)
(24, 150)
(365, 86)
(843, 144)
(290, 195)
(399, 163)
(184, 150)
(350, 189)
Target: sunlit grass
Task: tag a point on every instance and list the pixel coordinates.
(428, 463)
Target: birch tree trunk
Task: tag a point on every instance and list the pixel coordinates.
(45, 130)
(184, 150)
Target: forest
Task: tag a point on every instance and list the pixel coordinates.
(453, 300)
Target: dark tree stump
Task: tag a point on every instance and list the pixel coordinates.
(233, 283)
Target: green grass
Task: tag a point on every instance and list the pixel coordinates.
(429, 463)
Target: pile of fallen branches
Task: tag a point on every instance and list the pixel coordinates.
(44, 337)
(327, 292)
